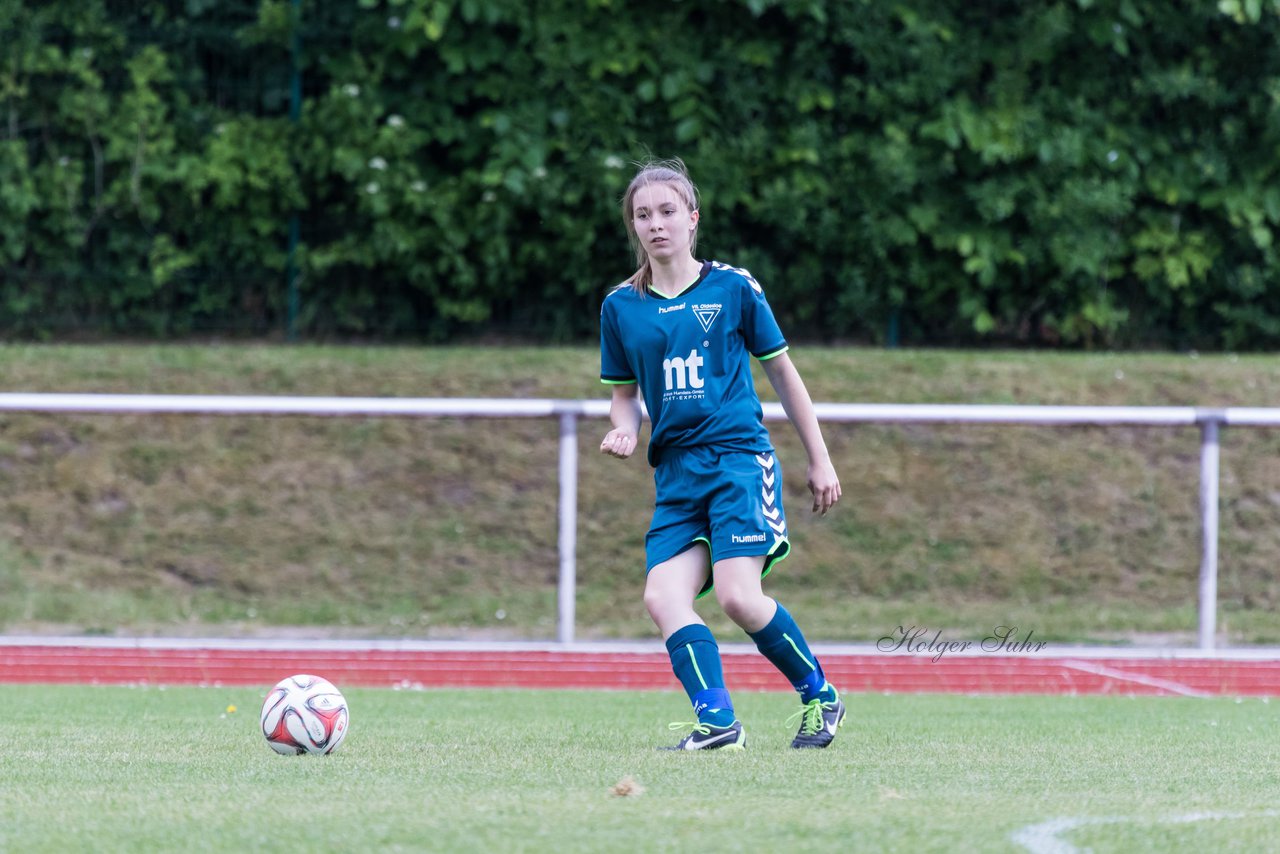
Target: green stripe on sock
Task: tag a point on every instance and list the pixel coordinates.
(812, 666)
(698, 670)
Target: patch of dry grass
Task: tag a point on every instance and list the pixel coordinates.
(436, 528)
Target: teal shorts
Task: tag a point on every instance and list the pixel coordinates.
(729, 500)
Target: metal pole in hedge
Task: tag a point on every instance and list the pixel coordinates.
(295, 113)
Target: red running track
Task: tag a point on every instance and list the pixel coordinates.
(158, 662)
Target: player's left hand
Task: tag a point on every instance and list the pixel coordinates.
(825, 486)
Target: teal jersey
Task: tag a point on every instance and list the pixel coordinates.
(689, 355)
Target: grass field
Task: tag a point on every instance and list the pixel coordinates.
(446, 528)
(148, 769)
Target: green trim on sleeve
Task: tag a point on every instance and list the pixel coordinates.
(617, 382)
(767, 356)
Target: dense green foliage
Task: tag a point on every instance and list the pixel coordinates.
(1087, 172)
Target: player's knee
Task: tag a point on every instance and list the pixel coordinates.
(741, 603)
(659, 603)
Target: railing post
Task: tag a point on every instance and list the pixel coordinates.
(568, 543)
(1209, 457)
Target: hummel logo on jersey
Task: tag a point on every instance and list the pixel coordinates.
(707, 314)
(682, 371)
(664, 309)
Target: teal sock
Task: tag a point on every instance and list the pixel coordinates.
(695, 658)
(782, 642)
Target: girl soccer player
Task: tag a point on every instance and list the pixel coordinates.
(680, 332)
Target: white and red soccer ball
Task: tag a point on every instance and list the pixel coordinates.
(304, 714)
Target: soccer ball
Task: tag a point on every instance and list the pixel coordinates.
(304, 714)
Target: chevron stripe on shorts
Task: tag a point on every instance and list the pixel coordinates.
(770, 487)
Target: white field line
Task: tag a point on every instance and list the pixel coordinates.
(1137, 678)
(1043, 838)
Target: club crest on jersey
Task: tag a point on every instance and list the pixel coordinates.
(707, 314)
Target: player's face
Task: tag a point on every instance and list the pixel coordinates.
(662, 221)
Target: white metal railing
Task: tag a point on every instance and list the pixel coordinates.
(568, 412)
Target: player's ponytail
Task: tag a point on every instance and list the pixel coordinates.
(674, 174)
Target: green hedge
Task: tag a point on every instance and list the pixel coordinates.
(1083, 172)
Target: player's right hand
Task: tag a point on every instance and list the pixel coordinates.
(618, 443)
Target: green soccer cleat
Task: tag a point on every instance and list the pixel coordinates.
(707, 737)
(818, 723)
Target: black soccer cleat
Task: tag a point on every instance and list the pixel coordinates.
(818, 723)
(708, 737)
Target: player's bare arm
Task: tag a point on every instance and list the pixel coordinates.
(791, 391)
(624, 414)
